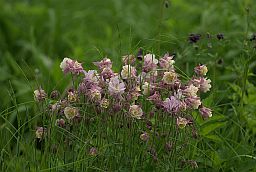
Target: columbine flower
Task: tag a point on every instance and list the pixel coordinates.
(105, 63)
(107, 73)
(156, 99)
(55, 107)
(144, 136)
(194, 38)
(150, 62)
(146, 88)
(190, 91)
(169, 77)
(60, 122)
(71, 112)
(193, 102)
(182, 122)
(205, 112)
(69, 65)
(40, 95)
(172, 104)
(220, 36)
(64, 64)
(203, 84)
(91, 76)
(72, 96)
(136, 111)
(178, 94)
(128, 59)
(201, 70)
(90, 80)
(55, 94)
(128, 71)
(133, 95)
(40, 132)
(95, 94)
(148, 77)
(93, 151)
(104, 103)
(116, 87)
(166, 62)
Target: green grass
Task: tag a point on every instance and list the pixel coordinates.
(36, 35)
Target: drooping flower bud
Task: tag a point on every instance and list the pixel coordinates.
(40, 132)
(60, 122)
(201, 70)
(93, 151)
(144, 136)
(182, 122)
(40, 95)
(205, 112)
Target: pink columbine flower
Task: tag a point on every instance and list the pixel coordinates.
(166, 62)
(128, 71)
(148, 77)
(150, 62)
(90, 80)
(72, 66)
(40, 95)
(205, 112)
(156, 99)
(204, 84)
(201, 70)
(136, 111)
(95, 94)
(193, 102)
(91, 76)
(60, 122)
(107, 73)
(190, 91)
(116, 86)
(172, 104)
(105, 63)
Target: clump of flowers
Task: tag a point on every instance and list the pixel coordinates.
(144, 85)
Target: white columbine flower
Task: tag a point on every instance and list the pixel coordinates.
(128, 71)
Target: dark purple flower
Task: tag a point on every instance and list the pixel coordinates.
(194, 38)
(220, 36)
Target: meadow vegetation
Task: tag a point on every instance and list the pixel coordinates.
(113, 85)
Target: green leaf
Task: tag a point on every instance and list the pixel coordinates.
(206, 129)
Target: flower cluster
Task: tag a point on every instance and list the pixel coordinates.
(150, 79)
